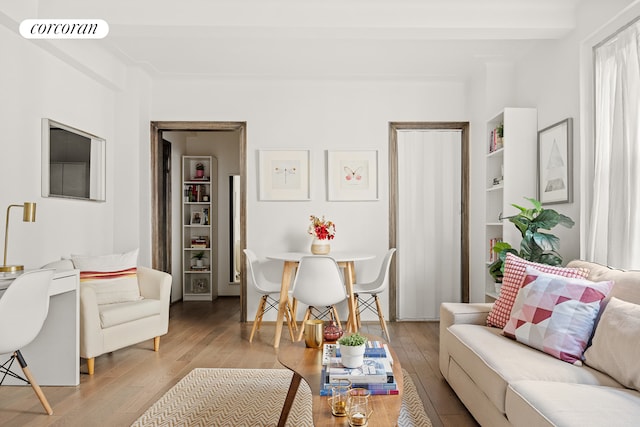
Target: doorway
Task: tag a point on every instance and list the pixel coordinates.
(160, 222)
(417, 152)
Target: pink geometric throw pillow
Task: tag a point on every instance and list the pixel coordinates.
(514, 272)
(556, 314)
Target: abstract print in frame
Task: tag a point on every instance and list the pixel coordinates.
(352, 175)
(284, 175)
(555, 163)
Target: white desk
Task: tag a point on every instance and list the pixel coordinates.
(345, 260)
(54, 356)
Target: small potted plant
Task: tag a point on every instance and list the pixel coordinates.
(199, 170)
(352, 350)
(198, 256)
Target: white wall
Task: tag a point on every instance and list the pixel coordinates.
(318, 116)
(90, 91)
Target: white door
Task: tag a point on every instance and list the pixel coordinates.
(429, 222)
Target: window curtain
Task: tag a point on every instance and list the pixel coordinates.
(614, 227)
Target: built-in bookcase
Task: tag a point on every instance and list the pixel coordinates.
(511, 167)
(198, 215)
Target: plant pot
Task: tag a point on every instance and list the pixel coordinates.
(352, 356)
(199, 173)
(199, 263)
(320, 247)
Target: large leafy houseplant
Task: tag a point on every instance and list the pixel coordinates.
(535, 246)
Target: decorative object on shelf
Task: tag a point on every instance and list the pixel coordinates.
(200, 285)
(352, 350)
(198, 256)
(352, 175)
(322, 231)
(196, 218)
(28, 215)
(284, 175)
(555, 163)
(535, 246)
(199, 170)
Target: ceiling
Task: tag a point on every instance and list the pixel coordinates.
(330, 39)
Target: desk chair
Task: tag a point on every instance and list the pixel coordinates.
(366, 294)
(270, 292)
(23, 310)
(319, 283)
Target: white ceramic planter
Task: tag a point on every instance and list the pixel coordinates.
(352, 356)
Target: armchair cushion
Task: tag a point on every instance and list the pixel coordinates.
(114, 277)
(125, 312)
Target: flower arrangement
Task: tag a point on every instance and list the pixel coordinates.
(321, 228)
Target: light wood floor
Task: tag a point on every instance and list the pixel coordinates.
(203, 334)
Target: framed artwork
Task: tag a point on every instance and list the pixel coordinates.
(284, 175)
(197, 218)
(352, 175)
(555, 163)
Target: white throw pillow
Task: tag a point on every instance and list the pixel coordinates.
(114, 277)
(615, 346)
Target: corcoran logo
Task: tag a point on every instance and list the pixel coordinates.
(64, 28)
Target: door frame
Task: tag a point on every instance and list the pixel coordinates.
(394, 127)
(158, 242)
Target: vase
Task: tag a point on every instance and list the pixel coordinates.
(320, 247)
(352, 356)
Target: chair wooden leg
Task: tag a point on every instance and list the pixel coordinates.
(357, 299)
(287, 315)
(294, 308)
(335, 316)
(258, 318)
(156, 343)
(34, 384)
(383, 323)
(307, 314)
(91, 363)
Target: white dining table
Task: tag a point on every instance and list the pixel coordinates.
(345, 260)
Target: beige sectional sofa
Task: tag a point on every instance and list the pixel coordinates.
(503, 382)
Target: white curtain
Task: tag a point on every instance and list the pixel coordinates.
(614, 227)
(429, 230)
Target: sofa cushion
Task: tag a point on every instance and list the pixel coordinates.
(546, 403)
(615, 347)
(627, 282)
(125, 312)
(493, 361)
(514, 272)
(556, 314)
(114, 277)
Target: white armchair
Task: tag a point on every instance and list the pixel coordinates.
(108, 327)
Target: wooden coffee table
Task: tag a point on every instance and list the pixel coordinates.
(306, 363)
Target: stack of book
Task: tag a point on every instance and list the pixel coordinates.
(376, 373)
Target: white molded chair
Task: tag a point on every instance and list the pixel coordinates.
(366, 294)
(270, 292)
(23, 309)
(319, 283)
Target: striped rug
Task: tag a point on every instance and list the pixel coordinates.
(250, 397)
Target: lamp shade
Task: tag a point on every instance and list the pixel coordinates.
(29, 214)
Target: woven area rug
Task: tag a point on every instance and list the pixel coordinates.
(250, 397)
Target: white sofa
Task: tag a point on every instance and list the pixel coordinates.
(505, 383)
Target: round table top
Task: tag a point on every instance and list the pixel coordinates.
(337, 255)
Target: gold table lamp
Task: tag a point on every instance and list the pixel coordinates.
(29, 215)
